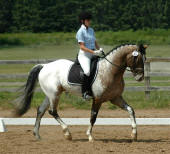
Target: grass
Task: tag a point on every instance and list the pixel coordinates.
(136, 99)
(157, 100)
(12, 80)
(149, 36)
(21, 39)
(158, 51)
(66, 51)
(6, 99)
(39, 52)
(66, 100)
(15, 68)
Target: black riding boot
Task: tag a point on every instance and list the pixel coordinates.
(86, 94)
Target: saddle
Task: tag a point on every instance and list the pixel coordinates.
(75, 75)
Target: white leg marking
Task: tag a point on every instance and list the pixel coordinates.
(132, 118)
(66, 131)
(89, 134)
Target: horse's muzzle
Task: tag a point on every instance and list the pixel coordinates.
(139, 77)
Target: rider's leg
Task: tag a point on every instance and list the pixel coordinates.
(85, 64)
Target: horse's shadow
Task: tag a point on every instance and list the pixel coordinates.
(122, 140)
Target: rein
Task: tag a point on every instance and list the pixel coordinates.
(121, 67)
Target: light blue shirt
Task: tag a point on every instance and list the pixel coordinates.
(86, 36)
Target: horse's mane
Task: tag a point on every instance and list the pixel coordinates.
(115, 48)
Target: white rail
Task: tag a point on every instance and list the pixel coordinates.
(82, 121)
(86, 121)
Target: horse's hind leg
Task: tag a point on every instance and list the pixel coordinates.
(94, 112)
(53, 112)
(122, 104)
(40, 112)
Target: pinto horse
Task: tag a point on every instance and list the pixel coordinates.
(108, 85)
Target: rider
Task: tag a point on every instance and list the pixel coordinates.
(88, 45)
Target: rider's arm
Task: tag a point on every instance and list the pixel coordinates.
(96, 45)
(82, 47)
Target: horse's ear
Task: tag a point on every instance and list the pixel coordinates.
(142, 48)
(145, 46)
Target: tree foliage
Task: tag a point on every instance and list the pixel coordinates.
(62, 15)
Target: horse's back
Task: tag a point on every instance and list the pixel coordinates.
(59, 61)
(54, 73)
(60, 66)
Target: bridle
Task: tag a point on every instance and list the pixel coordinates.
(137, 70)
(134, 70)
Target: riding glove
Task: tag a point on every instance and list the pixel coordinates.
(98, 52)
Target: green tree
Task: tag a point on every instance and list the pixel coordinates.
(167, 13)
(5, 15)
(62, 15)
(25, 15)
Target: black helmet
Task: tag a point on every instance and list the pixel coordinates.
(85, 15)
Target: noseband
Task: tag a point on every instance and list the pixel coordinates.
(137, 70)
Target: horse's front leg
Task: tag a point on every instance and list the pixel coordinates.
(94, 112)
(123, 104)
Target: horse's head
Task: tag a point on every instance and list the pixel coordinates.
(135, 60)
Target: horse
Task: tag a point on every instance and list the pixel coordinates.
(108, 86)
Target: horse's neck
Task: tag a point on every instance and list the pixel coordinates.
(118, 56)
(118, 59)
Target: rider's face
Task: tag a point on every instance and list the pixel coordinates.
(87, 22)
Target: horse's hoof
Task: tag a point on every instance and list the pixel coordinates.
(91, 139)
(134, 137)
(37, 136)
(68, 137)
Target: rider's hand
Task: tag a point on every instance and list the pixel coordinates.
(98, 52)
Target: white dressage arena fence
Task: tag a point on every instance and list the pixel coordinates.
(82, 121)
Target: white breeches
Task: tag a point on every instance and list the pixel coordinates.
(85, 60)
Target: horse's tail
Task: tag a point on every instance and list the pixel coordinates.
(24, 102)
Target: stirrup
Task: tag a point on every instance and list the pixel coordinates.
(86, 96)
